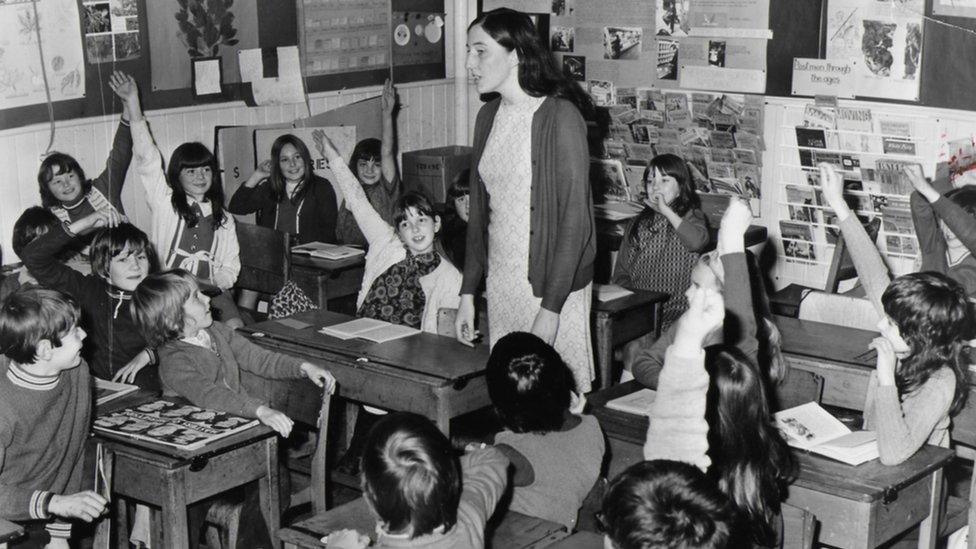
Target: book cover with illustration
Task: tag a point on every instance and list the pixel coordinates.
(177, 425)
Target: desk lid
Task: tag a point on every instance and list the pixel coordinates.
(827, 341)
(428, 354)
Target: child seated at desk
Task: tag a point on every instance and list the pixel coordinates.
(45, 407)
(665, 504)
(455, 233)
(556, 454)
(925, 319)
(121, 257)
(422, 495)
(728, 270)
(712, 411)
(945, 225)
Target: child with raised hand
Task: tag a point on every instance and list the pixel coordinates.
(925, 320)
(712, 411)
(34, 222)
(374, 163)
(661, 245)
(404, 259)
(945, 225)
(665, 504)
(121, 257)
(65, 190)
(45, 408)
(207, 362)
(189, 226)
(556, 454)
(421, 494)
(731, 271)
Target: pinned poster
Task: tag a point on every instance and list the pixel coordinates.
(835, 78)
(344, 139)
(274, 75)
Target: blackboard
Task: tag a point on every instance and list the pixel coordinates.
(278, 27)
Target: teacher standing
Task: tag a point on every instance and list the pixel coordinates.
(531, 224)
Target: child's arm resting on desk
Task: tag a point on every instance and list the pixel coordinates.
(677, 428)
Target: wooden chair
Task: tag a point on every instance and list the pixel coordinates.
(799, 528)
(265, 259)
(841, 265)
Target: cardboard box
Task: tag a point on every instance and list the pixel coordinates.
(432, 170)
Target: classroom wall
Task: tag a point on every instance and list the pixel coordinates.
(426, 120)
(934, 127)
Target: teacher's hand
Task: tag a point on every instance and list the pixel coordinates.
(464, 323)
(545, 325)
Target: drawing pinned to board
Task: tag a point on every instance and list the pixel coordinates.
(284, 86)
(563, 39)
(111, 31)
(716, 53)
(21, 80)
(181, 30)
(622, 43)
(424, 45)
(671, 18)
(574, 67)
(667, 59)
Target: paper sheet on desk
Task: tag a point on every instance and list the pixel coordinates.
(609, 292)
(293, 324)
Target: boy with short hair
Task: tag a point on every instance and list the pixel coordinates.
(45, 404)
(665, 504)
(422, 495)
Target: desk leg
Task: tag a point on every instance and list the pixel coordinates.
(928, 530)
(603, 331)
(176, 530)
(121, 522)
(268, 486)
(103, 532)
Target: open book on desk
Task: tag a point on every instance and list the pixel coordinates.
(637, 403)
(810, 427)
(369, 328)
(326, 251)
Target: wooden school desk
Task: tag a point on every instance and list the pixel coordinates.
(620, 320)
(172, 479)
(857, 507)
(431, 375)
(513, 531)
(324, 279)
(838, 354)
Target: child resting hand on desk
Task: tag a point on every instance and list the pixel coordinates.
(209, 363)
(925, 319)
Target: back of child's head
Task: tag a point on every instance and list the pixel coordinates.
(195, 155)
(367, 149)
(411, 476)
(965, 198)
(666, 504)
(751, 461)
(460, 186)
(676, 167)
(34, 222)
(32, 314)
(529, 384)
(54, 164)
(934, 317)
(109, 242)
(158, 302)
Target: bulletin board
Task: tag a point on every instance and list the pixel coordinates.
(277, 24)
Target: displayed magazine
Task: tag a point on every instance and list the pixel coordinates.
(106, 391)
(810, 427)
(178, 425)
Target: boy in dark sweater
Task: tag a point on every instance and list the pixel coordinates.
(45, 404)
(121, 257)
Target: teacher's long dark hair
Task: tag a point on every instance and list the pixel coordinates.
(537, 74)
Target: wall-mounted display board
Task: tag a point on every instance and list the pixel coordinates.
(345, 44)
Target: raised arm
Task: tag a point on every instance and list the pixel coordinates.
(149, 166)
(677, 428)
(110, 181)
(41, 256)
(388, 145)
(374, 228)
(739, 301)
(871, 269)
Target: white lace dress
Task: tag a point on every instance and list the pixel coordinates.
(506, 169)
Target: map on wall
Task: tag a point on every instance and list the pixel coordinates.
(21, 77)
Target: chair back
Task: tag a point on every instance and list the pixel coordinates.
(841, 264)
(265, 258)
(319, 475)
